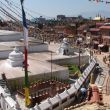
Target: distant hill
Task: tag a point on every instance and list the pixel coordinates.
(94, 13)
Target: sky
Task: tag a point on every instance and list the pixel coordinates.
(67, 7)
(52, 8)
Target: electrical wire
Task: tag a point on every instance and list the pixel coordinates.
(8, 14)
(10, 9)
(101, 1)
(17, 5)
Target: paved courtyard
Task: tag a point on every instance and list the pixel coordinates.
(102, 79)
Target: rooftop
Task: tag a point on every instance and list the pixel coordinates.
(36, 61)
(94, 29)
(105, 27)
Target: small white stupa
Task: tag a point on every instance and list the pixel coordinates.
(64, 48)
(16, 58)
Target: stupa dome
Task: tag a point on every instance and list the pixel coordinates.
(16, 58)
(64, 47)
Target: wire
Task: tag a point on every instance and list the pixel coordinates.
(101, 1)
(31, 11)
(10, 9)
(17, 6)
(8, 14)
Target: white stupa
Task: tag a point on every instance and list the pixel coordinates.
(98, 18)
(64, 48)
(16, 58)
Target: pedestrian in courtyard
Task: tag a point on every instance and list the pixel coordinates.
(83, 93)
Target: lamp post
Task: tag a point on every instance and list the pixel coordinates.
(79, 47)
(79, 56)
(90, 52)
(51, 65)
(90, 47)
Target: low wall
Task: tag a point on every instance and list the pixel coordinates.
(41, 47)
(6, 102)
(32, 48)
(84, 59)
(60, 101)
(13, 84)
(11, 37)
(4, 54)
(76, 49)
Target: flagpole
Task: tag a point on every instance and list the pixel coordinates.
(26, 81)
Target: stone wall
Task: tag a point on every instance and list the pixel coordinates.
(11, 37)
(72, 60)
(63, 74)
(60, 101)
(32, 48)
(4, 54)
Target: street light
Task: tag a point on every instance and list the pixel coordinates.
(90, 52)
(79, 46)
(79, 56)
(51, 65)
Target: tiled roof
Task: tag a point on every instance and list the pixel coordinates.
(99, 24)
(94, 29)
(82, 27)
(105, 27)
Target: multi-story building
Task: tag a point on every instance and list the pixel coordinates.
(105, 32)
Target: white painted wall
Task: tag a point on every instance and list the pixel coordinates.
(6, 102)
(72, 60)
(11, 37)
(77, 85)
(32, 48)
(4, 54)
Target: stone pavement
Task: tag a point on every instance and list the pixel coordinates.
(102, 79)
(92, 107)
